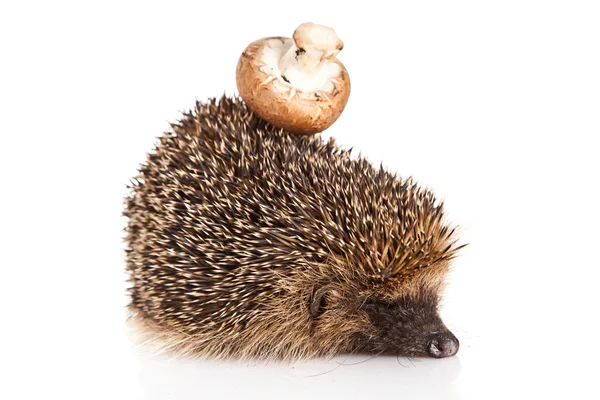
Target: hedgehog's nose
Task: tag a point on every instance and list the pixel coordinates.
(443, 345)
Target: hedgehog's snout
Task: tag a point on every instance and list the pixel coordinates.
(442, 345)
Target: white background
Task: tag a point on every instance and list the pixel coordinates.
(494, 105)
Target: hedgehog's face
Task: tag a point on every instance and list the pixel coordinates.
(404, 326)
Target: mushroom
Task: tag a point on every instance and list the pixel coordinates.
(296, 84)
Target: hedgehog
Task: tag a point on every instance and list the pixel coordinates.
(247, 242)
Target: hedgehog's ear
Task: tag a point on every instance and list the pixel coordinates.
(317, 301)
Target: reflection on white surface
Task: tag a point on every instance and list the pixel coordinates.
(345, 376)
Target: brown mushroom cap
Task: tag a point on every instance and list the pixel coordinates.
(274, 98)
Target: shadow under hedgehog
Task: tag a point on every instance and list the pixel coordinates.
(247, 241)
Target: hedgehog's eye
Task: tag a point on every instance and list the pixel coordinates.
(373, 303)
(318, 302)
(368, 303)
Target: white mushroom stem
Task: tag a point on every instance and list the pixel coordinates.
(305, 65)
(313, 44)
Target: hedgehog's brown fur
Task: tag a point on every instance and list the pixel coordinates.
(236, 228)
